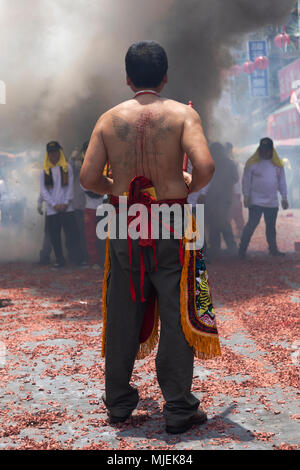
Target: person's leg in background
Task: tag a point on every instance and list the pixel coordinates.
(5, 214)
(90, 223)
(71, 231)
(79, 215)
(227, 232)
(214, 229)
(255, 213)
(270, 216)
(236, 213)
(54, 227)
(45, 252)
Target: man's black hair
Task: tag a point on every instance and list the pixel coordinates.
(85, 146)
(53, 146)
(217, 150)
(146, 64)
(266, 143)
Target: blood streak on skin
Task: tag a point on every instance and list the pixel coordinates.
(144, 124)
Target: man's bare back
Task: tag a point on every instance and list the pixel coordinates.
(143, 137)
(147, 136)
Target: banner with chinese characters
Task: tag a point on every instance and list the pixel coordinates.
(259, 79)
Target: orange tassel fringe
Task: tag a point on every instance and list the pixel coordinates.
(104, 295)
(205, 346)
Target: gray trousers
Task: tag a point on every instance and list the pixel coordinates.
(174, 361)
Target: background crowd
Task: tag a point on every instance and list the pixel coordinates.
(70, 211)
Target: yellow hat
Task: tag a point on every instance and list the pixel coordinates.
(276, 160)
(62, 162)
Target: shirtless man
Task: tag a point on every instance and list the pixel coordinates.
(148, 136)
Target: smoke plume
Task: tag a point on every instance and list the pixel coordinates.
(63, 61)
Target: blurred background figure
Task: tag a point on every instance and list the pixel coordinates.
(236, 210)
(3, 201)
(264, 177)
(95, 247)
(199, 198)
(218, 202)
(292, 170)
(57, 191)
(45, 252)
(13, 203)
(79, 199)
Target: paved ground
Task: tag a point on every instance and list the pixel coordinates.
(52, 373)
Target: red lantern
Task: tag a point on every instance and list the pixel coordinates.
(282, 40)
(235, 70)
(262, 63)
(249, 67)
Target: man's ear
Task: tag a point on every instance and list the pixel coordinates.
(166, 78)
(128, 81)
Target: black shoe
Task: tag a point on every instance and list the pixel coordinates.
(118, 419)
(58, 266)
(83, 264)
(277, 253)
(200, 417)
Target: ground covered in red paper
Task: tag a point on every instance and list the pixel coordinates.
(52, 376)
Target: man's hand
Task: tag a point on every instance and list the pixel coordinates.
(247, 201)
(284, 204)
(39, 209)
(187, 178)
(60, 207)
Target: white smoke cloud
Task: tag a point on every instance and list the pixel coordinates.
(63, 65)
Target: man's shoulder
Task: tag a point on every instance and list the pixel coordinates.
(127, 106)
(107, 116)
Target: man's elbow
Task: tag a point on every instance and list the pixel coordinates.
(207, 173)
(202, 177)
(86, 181)
(211, 170)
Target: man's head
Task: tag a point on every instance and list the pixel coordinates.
(266, 148)
(218, 151)
(146, 66)
(229, 149)
(84, 147)
(53, 149)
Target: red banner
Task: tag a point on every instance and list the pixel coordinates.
(286, 77)
(284, 124)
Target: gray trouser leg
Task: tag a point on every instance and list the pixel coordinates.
(124, 322)
(175, 358)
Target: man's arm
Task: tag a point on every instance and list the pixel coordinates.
(282, 187)
(44, 191)
(40, 204)
(235, 173)
(246, 186)
(194, 143)
(69, 196)
(91, 174)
